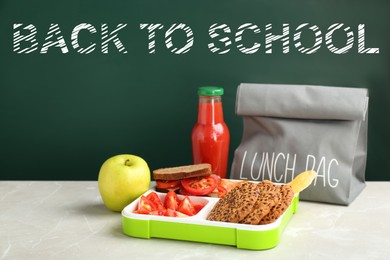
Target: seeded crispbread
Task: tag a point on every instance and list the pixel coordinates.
(285, 194)
(267, 199)
(236, 204)
(251, 203)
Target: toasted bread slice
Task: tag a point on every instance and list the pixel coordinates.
(182, 172)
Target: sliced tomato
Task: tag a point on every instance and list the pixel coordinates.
(146, 206)
(153, 196)
(216, 177)
(171, 200)
(199, 185)
(183, 191)
(174, 213)
(229, 184)
(173, 206)
(221, 191)
(158, 212)
(142, 211)
(167, 185)
(186, 207)
(156, 200)
(170, 213)
(181, 215)
(198, 206)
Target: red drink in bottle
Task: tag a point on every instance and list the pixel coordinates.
(210, 135)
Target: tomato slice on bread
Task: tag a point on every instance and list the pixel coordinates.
(199, 185)
(168, 185)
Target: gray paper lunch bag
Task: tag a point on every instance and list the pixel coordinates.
(289, 129)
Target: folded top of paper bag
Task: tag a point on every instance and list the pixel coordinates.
(302, 101)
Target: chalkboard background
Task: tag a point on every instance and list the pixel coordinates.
(62, 115)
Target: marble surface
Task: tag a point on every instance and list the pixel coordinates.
(67, 220)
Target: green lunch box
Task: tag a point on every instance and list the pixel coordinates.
(198, 229)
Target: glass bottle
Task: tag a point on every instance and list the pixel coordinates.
(210, 135)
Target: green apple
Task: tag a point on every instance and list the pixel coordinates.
(122, 179)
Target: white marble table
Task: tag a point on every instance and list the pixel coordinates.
(67, 220)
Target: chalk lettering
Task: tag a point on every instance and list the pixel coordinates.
(317, 43)
(247, 50)
(222, 38)
(226, 42)
(270, 38)
(151, 35)
(112, 36)
(29, 38)
(54, 38)
(329, 38)
(75, 38)
(362, 42)
(190, 38)
(24, 39)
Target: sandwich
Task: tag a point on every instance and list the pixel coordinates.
(194, 180)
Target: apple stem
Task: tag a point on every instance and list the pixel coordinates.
(127, 162)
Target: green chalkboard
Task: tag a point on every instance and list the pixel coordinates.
(83, 80)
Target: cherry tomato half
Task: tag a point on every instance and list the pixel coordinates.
(199, 185)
